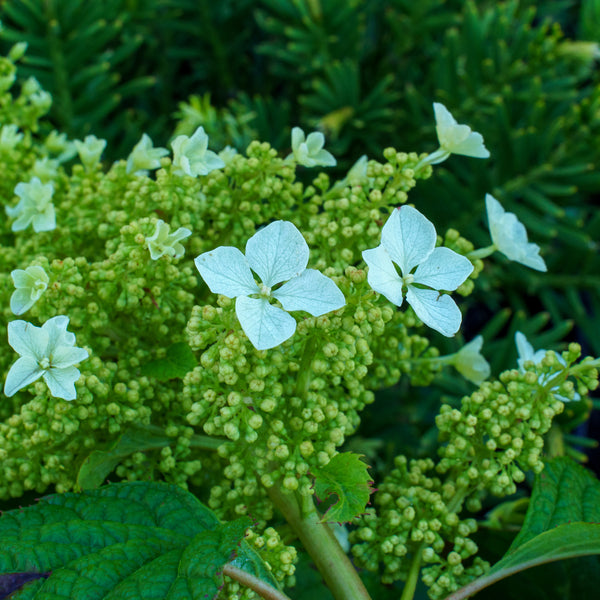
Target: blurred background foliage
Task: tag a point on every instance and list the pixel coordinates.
(525, 74)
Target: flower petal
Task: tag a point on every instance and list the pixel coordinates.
(27, 339)
(311, 291)
(315, 142)
(409, 238)
(297, 138)
(437, 311)
(277, 252)
(66, 356)
(61, 382)
(382, 275)
(25, 371)
(21, 301)
(470, 363)
(265, 325)
(58, 336)
(226, 271)
(443, 270)
(472, 146)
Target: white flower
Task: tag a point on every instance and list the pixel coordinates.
(528, 354)
(276, 253)
(9, 137)
(35, 206)
(90, 150)
(454, 138)
(408, 240)
(48, 351)
(470, 363)
(31, 284)
(57, 143)
(45, 168)
(144, 157)
(162, 242)
(309, 151)
(510, 236)
(192, 157)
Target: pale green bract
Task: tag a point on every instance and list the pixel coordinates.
(470, 363)
(510, 236)
(308, 151)
(9, 137)
(48, 351)
(31, 283)
(144, 157)
(408, 240)
(35, 207)
(162, 242)
(90, 150)
(528, 354)
(276, 253)
(192, 157)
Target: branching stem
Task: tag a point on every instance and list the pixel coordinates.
(319, 541)
(263, 589)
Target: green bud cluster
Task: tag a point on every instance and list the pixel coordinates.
(497, 434)
(416, 518)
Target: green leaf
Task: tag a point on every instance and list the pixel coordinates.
(347, 477)
(561, 522)
(179, 361)
(97, 466)
(148, 541)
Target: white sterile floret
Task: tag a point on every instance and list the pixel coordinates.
(470, 363)
(45, 168)
(9, 137)
(510, 236)
(191, 155)
(162, 242)
(144, 157)
(454, 138)
(228, 154)
(31, 283)
(48, 351)
(35, 207)
(528, 354)
(276, 253)
(408, 240)
(90, 150)
(309, 151)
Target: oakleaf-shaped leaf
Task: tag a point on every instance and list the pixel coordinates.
(148, 541)
(562, 522)
(347, 477)
(179, 361)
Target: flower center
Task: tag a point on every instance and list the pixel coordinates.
(44, 363)
(265, 292)
(408, 279)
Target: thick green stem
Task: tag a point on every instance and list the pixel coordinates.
(318, 540)
(413, 574)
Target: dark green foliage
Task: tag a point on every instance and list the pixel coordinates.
(121, 541)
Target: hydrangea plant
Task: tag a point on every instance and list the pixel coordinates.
(224, 389)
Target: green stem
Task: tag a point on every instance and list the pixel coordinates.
(482, 252)
(413, 574)
(304, 377)
(320, 543)
(263, 589)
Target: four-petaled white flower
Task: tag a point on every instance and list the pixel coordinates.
(528, 354)
(191, 155)
(408, 240)
(309, 151)
(31, 284)
(48, 351)
(470, 363)
(90, 150)
(454, 138)
(510, 236)
(276, 253)
(162, 242)
(35, 206)
(144, 157)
